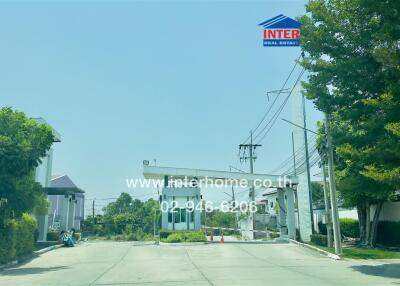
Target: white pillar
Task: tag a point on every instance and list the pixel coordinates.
(291, 219)
(282, 213)
(64, 214)
(71, 214)
(303, 194)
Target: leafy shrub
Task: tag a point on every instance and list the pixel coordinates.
(273, 235)
(197, 236)
(182, 236)
(53, 236)
(388, 233)
(7, 242)
(77, 236)
(349, 227)
(17, 238)
(25, 234)
(165, 233)
(319, 239)
(175, 237)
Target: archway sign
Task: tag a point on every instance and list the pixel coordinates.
(190, 219)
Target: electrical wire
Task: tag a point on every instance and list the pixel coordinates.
(278, 112)
(289, 160)
(275, 99)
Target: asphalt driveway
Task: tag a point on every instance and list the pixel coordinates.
(135, 263)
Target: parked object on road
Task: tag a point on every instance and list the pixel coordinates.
(67, 237)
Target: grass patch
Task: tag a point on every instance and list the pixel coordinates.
(364, 253)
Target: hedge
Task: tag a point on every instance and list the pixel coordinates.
(17, 238)
(53, 236)
(319, 239)
(25, 238)
(7, 242)
(182, 236)
(175, 237)
(349, 227)
(388, 233)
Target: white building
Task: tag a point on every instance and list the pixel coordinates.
(43, 176)
(66, 209)
(178, 208)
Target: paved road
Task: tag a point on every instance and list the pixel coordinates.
(127, 263)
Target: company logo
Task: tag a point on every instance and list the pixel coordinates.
(281, 31)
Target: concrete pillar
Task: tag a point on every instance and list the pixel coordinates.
(282, 212)
(71, 213)
(43, 223)
(197, 214)
(64, 214)
(303, 193)
(291, 219)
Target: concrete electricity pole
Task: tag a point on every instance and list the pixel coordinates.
(307, 160)
(248, 153)
(332, 188)
(326, 201)
(93, 211)
(250, 148)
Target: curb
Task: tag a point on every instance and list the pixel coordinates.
(30, 256)
(44, 250)
(326, 253)
(181, 243)
(248, 242)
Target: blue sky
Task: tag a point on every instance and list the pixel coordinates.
(179, 82)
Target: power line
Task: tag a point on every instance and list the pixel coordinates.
(278, 112)
(289, 160)
(275, 99)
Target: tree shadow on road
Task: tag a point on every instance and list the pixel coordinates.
(390, 270)
(30, 270)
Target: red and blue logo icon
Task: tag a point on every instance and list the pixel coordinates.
(281, 31)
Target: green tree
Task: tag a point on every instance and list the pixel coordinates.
(353, 59)
(317, 191)
(128, 215)
(23, 142)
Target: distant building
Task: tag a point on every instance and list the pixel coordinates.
(43, 176)
(67, 201)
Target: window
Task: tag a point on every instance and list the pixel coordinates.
(191, 215)
(177, 217)
(170, 215)
(183, 215)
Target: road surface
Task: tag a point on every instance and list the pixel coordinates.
(130, 263)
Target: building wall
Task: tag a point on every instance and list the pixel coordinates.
(57, 216)
(184, 197)
(43, 176)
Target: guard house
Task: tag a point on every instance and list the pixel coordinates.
(178, 208)
(181, 216)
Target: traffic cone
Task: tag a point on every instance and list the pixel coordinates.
(222, 238)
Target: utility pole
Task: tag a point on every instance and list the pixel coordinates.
(249, 153)
(294, 156)
(332, 188)
(307, 161)
(93, 213)
(326, 201)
